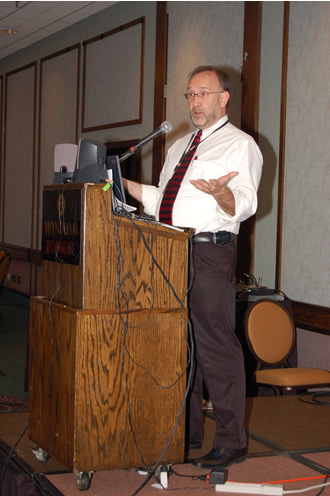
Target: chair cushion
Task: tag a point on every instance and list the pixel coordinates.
(299, 376)
(270, 331)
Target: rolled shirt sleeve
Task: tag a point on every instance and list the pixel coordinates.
(244, 187)
(219, 153)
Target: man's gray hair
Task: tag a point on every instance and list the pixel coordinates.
(223, 77)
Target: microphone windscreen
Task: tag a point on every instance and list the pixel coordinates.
(166, 126)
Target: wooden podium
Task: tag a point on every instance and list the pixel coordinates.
(108, 338)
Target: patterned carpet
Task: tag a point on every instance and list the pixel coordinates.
(11, 404)
(13, 346)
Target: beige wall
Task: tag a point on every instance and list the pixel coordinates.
(189, 47)
(269, 141)
(58, 84)
(306, 234)
(212, 32)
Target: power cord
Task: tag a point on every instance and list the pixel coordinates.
(21, 434)
(151, 472)
(315, 398)
(240, 488)
(311, 488)
(60, 262)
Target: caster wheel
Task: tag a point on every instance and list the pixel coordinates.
(40, 454)
(83, 480)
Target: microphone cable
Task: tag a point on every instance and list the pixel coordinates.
(190, 346)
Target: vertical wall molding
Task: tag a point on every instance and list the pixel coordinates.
(250, 117)
(286, 17)
(158, 151)
(1, 163)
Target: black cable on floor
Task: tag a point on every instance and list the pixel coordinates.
(21, 434)
(314, 399)
(325, 480)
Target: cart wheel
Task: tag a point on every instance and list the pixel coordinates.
(40, 454)
(83, 480)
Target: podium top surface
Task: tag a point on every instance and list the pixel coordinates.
(143, 224)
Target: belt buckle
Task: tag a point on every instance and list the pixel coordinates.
(216, 240)
(226, 238)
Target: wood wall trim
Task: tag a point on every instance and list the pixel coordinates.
(158, 151)
(34, 225)
(280, 198)
(2, 218)
(311, 317)
(250, 117)
(88, 128)
(251, 68)
(60, 52)
(27, 255)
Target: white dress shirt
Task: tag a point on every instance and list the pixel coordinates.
(219, 152)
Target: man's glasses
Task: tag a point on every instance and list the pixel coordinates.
(202, 95)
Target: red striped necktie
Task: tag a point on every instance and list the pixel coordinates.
(173, 186)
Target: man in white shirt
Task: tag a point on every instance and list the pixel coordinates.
(214, 194)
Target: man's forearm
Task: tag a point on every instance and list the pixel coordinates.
(133, 188)
(219, 190)
(226, 200)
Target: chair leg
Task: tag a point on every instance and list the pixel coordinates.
(277, 391)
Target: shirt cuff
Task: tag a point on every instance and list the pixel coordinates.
(149, 198)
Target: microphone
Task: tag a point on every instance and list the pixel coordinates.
(165, 127)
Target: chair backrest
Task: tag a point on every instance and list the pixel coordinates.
(4, 265)
(270, 332)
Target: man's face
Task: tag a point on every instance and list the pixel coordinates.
(204, 112)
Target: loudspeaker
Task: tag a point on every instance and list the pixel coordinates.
(65, 156)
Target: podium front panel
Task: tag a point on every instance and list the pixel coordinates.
(125, 264)
(98, 377)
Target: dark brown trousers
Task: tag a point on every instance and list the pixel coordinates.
(219, 358)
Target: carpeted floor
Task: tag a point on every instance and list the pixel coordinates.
(11, 404)
(288, 440)
(14, 333)
(186, 479)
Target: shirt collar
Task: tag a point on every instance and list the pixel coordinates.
(210, 130)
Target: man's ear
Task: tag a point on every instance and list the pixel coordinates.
(224, 98)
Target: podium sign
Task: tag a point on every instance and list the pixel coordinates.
(61, 226)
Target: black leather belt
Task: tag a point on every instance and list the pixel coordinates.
(219, 238)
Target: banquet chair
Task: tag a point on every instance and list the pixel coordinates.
(4, 265)
(271, 336)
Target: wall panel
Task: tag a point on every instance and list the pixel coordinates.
(269, 140)
(306, 235)
(48, 111)
(19, 156)
(1, 165)
(58, 119)
(202, 33)
(113, 76)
